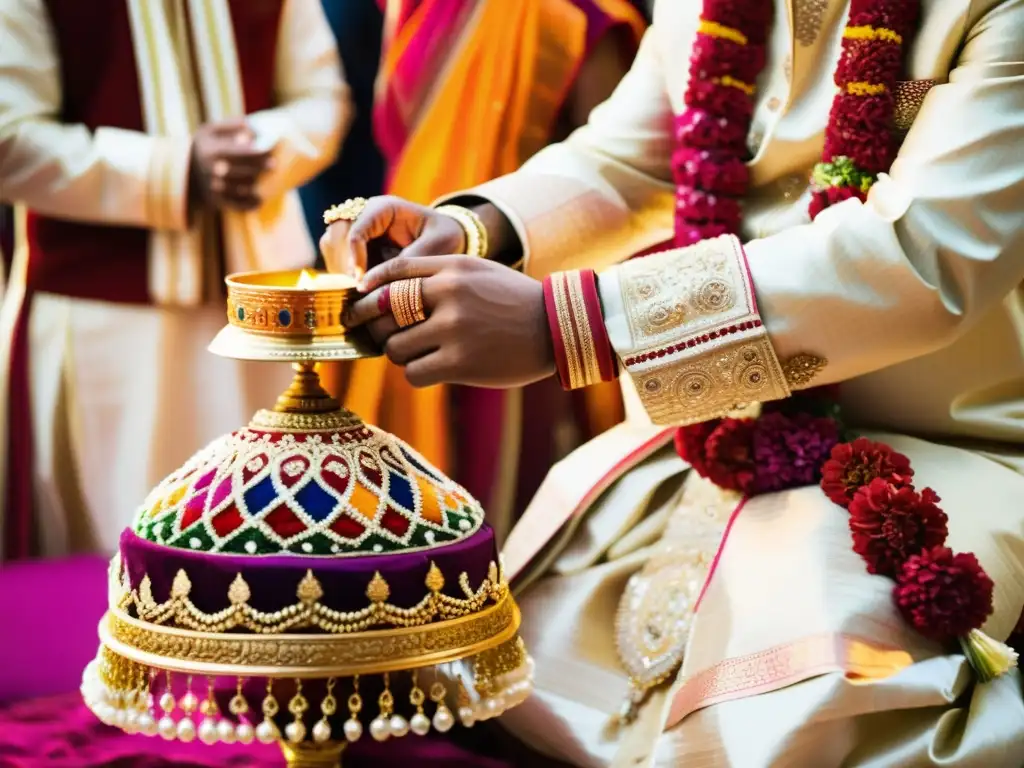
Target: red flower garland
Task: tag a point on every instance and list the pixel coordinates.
(898, 531)
(944, 595)
(891, 522)
(709, 162)
(856, 464)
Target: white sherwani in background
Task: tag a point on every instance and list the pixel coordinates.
(796, 656)
(115, 289)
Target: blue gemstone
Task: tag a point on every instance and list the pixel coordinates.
(284, 318)
(260, 496)
(401, 491)
(316, 502)
(241, 313)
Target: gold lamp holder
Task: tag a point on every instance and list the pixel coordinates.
(306, 395)
(294, 317)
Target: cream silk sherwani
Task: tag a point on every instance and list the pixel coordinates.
(116, 282)
(795, 656)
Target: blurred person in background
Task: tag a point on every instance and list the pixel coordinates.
(150, 147)
(359, 170)
(469, 90)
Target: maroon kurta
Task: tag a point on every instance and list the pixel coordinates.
(101, 88)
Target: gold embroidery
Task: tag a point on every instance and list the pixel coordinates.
(696, 287)
(696, 388)
(801, 369)
(909, 97)
(308, 612)
(656, 611)
(309, 655)
(807, 18)
(698, 346)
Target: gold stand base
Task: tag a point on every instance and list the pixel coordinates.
(309, 755)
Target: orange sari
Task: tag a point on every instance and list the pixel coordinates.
(469, 90)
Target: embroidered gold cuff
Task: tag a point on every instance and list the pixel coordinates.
(168, 183)
(697, 348)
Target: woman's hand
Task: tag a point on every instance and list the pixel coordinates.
(387, 226)
(486, 324)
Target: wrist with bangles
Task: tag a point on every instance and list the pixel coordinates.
(583, 351)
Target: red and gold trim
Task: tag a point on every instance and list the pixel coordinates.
(583, 352)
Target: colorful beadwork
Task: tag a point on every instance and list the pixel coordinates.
(354, 491)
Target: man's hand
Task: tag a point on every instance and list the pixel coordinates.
(486, 324)
(226, 165)
(389, 225)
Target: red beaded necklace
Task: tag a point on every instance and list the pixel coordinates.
(709, 162)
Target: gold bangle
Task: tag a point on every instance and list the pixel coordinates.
(472, 226)
(347, 211)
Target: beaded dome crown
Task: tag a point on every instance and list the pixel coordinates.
(342, 488)
(308, 578)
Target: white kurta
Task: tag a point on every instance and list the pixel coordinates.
(795, 655)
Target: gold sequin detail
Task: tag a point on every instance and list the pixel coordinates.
(908, 97)
(807, 18)
(800, 370)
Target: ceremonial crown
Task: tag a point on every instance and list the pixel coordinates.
(306, 578)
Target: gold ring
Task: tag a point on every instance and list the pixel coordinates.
(347, 211)
(407, 302)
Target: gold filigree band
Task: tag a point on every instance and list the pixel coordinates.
(309, 656)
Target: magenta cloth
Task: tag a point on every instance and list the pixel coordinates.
(274, 579)
(59, 732)
(51, 610)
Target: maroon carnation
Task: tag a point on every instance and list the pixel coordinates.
(890, 523)
(900, 17)
(690, 444)
(826, 198)
(713, 171)
(869, 61)
(751, 17)
(730, 455)
(860, 127)
(943, 595)
(856, 464)
(698, 128)
(790, 450)
(716, 56)
(698, 205)
(719, 100)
